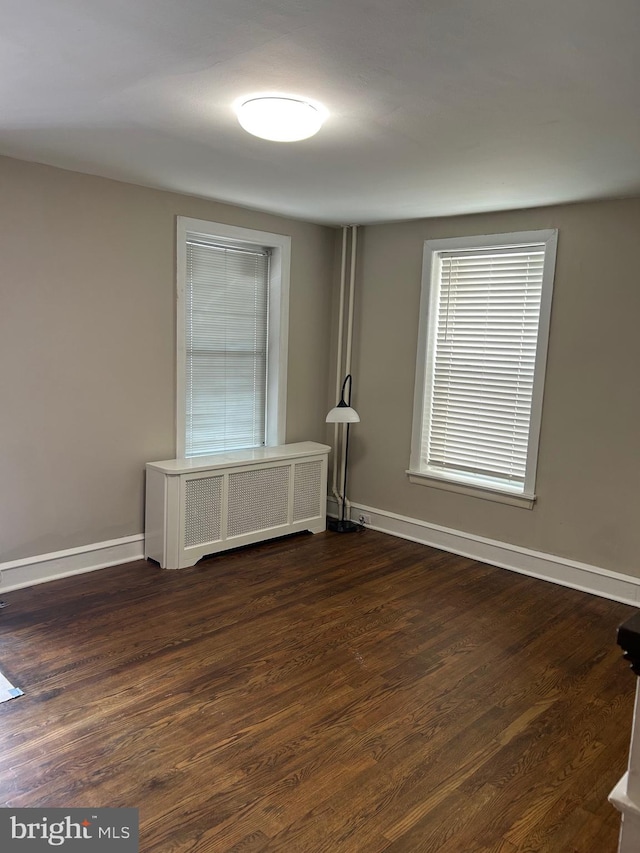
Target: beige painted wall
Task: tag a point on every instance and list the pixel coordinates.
(87, 348)
(588, 504)
(87, 375)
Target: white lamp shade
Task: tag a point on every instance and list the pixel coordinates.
(343, 415)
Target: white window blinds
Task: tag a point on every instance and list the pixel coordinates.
(226, 314)
(481, 363)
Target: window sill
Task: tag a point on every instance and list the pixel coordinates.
(525, 502)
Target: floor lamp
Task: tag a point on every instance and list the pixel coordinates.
(343, 414)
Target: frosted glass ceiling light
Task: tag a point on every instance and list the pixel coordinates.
(280, 118)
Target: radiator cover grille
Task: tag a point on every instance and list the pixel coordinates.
(307, 490)
(258, 500)
(203, 511)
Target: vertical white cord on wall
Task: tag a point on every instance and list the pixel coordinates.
(339, 377)
(352, 283)
(347, 365)
(344, 349)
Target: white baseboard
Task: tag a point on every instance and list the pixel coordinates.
(570, 573)
(548, 567)
(74, 561)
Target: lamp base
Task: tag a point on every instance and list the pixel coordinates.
(338, 526)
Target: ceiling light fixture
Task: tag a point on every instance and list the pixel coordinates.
(280, 118)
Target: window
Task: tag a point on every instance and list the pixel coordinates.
(232, 337)
(484, 325)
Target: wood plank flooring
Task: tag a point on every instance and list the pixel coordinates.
(340, 693)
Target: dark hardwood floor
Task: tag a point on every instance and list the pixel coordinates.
(321, 693)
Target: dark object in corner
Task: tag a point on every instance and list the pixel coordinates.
(629, 641)
(339, 525)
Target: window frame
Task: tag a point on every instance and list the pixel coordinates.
(278, 328)
(426, 339)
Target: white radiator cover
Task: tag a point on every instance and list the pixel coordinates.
(208, 504)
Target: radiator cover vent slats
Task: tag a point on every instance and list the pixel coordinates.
(307, 490)
(258, 500)
(203, 511)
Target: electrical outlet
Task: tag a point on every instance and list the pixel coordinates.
(364, 519)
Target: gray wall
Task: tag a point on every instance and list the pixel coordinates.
(87, 348)
(87, 364)
(589, 461)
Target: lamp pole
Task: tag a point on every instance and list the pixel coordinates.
(343, 413)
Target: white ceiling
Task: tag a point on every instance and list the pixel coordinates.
(437, 107)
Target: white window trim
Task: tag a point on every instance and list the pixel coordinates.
(428, 302)
(278, 339)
